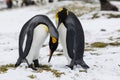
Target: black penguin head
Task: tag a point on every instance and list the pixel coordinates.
(53, 44)
(61, 15)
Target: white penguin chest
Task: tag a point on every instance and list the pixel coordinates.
(62, 34)
(39, 36)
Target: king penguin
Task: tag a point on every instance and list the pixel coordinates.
(72, 37)
(36, 31)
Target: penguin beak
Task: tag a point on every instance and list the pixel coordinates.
(51, 53)
(59, 22)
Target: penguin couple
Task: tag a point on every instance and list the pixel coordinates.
(71, 37)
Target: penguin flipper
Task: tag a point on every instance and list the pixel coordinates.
(70, 42)
(28, 42)
(70, 45)
(22, 55)
(19, 61)
(21, 40)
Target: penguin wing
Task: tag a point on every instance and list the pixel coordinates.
(22, 55)
(28, 29)
(23, 32)
(28, 42)
(70, 40)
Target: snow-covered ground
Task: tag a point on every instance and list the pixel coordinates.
(104, 62)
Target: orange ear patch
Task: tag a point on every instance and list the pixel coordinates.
(54, 40)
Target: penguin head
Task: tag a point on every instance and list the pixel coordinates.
(61, 15)
(53, 44)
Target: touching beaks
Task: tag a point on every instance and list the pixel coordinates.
(51, 53)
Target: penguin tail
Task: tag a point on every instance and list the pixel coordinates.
(19, 61)
(82, 63)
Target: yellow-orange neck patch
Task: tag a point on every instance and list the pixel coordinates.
(56, 16)
(67, 12)
(44, 27)
(60, 9)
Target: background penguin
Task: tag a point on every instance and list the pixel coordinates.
(72, 37)
(36, 31)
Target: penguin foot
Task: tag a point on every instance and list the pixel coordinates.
(82, 63)
(70, 66)
(32, 67)
(72, 63)
(85, 66)
(36, 63)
